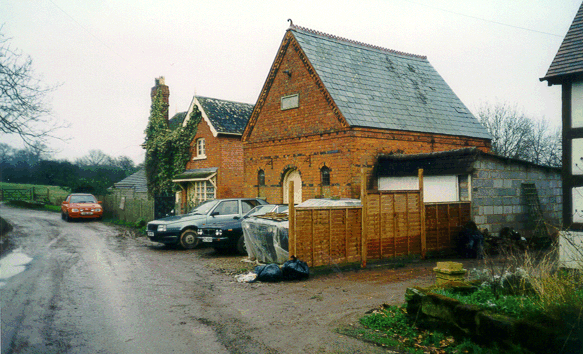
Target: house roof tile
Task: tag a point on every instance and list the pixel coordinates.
(176, 120)
(569, 59)
(136, 181)
(383, 88)
(226, 117)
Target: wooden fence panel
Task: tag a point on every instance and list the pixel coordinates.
(338, 222)
(353, 235)
(414, 222)
(394, 224)
(304, 236)
(326, 236)
(133, 209)
(387, 221)
(373, 226)
(443, 224)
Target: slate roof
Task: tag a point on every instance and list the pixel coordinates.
(136, 181)
(569, 59)
(450, 162)
(176, 120)
(382, 88)
(226, 117)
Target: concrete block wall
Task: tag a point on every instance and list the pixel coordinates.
(497, 199)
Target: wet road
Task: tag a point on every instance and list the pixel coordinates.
(89, 289)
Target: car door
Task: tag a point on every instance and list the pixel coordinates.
(225, 210)
(65, 204)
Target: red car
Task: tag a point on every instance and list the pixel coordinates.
(81, 206)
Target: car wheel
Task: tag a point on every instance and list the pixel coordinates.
(189, 240)
(62, 215)
(67, 218)
(241, 248)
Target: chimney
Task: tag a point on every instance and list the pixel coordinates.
(161, 85)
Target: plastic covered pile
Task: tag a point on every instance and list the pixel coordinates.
(266, 239)
(329, 202)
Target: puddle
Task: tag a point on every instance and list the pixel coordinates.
(12, 264)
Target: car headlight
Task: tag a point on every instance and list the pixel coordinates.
(219, 232)
(199, 232)
(75, 210)
(161, 227)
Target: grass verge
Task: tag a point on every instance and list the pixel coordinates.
(391, 327)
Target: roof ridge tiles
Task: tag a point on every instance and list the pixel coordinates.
(351, 41)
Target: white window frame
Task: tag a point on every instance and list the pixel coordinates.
(200, 148)
(200, 190)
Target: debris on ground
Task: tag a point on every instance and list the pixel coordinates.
(293, 269)
(246, 278)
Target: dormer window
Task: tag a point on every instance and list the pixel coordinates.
(200, 149)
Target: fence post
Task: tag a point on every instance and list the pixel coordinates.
(363, 226)
(422, 216)
(292, 221)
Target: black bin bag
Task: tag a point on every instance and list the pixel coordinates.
(268, 273)
(295, 269)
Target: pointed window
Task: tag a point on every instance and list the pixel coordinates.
(325, 176)
(261, 178)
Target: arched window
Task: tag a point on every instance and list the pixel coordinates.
(261, 178)
(200, 148)
(325, 176)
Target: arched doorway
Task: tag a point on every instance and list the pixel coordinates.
(293, 175)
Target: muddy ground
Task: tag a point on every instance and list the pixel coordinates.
(94, 288)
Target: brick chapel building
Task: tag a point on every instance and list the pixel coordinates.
(330, 106)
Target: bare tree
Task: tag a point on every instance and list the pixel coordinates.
(23, 98)
(554, 155)
(517, 136)
(544, 144)
(509, 128)
(95, 158)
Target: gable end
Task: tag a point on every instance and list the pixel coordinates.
(289, 39)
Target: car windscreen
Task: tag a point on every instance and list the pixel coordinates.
(83, 199)
(205, 207)
(259, 210)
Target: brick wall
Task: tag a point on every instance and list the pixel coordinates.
(315, 135)
(224, 152)
(343, 152)
(497, 199)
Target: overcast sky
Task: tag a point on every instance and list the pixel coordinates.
(106, 54)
